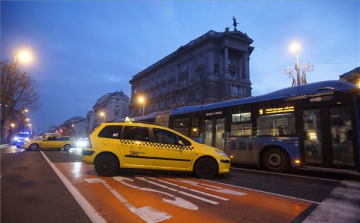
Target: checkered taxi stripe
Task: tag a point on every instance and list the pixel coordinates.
(159, 145)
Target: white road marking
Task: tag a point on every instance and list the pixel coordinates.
(210, 195)
(177, 202)
(199, 198)
(193, 190)
(285, 174)
(84, 204)
(212, 188)
(148, 214)
(265, 192)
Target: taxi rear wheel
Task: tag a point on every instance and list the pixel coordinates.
(106, 165)
(34, 147)
(206, 168)
(67, 147)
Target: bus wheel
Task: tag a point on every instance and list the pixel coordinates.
(106, 165)
(275, 160)
(206, 168)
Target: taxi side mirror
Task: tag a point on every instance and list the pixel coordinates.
(181, 143)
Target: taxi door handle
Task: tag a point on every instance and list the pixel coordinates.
(160, 148)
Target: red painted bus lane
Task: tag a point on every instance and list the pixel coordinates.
(144, 198)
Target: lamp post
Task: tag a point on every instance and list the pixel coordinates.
(295, 47)
(306, 68)
(142, 100)
(12, 126)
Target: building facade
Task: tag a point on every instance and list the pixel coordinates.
(211, 68)
(352, 76)
(110, 107)
(89, 122)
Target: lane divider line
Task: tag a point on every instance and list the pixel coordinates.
(84, 204)
(285, 174)
(265, 192)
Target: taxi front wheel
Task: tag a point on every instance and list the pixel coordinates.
(34, 147)
(206, 168)
(106, 165)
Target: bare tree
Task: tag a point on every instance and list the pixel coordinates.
(18, 92)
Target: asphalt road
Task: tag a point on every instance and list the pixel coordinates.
(55, 186)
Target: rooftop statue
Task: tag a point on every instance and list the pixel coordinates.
(235, 23)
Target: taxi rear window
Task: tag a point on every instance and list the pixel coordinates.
(111, 132)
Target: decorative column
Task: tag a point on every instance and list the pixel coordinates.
(226, 61)
(246, 67)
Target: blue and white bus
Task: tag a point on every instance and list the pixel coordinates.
(315, 125)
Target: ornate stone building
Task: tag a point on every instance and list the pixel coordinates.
(110, 107)
(352, 76)
(211, 68)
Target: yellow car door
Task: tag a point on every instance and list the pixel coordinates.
(135, 146)
(172, 150)
(47, 142)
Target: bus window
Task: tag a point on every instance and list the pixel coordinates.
(241, 124)
(312, 141)
(181, 125)
(241, 129)
(276, 125)
(241, 117)
(341, 136)
(194, 133)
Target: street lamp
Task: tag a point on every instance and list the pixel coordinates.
(142, 100)
(25, 56)
(103, 115)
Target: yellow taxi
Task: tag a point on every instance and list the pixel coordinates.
(145, 146)
(50, 142)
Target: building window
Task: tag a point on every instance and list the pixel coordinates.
(230, 61)
(201, 76)
(201, 61)
(198, 94)
(184, 68)
(183, 84)
(237, 90)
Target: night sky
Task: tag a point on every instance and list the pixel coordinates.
(85, 49)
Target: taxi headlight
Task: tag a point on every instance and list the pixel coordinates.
(222, 153)
(27, 139)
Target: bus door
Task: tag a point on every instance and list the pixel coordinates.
(328, 137)
(214, 132)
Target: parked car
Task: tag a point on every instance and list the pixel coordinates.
(51, 142)
(145, 146)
